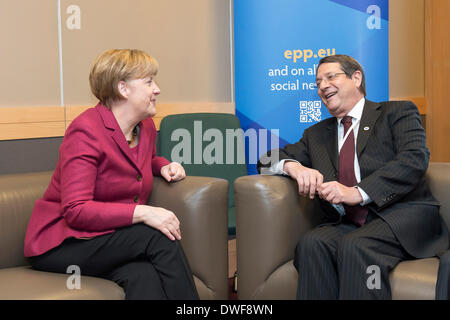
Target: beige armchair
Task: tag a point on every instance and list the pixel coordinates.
(270, 219)
(200, 204)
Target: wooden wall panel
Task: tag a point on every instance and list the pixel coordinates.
(45, 122)
(31, 130)
(31, 122)
(406, 48)
(164, 109)
(437, 66)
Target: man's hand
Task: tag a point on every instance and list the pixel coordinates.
(173, 172)
(335, 193)
(308, 179)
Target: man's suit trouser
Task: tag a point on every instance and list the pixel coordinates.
(341, 261)
(141, 259)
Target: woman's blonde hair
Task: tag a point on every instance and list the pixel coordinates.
(116, 65)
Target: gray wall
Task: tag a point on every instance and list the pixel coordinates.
(29, 155)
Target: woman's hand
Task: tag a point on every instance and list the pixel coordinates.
(173, 172)
(159, 218)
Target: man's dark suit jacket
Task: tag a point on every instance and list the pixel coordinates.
(393, 158)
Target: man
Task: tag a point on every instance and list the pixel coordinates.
(365, 169)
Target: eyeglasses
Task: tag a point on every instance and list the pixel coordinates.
(329, 78)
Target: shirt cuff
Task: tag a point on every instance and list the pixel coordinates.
(277, 168)
(365, 196)
(339, 208)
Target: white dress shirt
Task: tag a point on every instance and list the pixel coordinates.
(356, 114)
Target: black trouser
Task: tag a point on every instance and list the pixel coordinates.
(333, 261)
(139, 258)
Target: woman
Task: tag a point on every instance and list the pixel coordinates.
(93, 213)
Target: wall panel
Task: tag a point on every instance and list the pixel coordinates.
(406, 48)
(28, 53)
(190, 40)
(437, 47)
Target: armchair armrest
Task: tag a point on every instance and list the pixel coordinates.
(201, 205)
(438, 176)
(443, 277)
(270, 218)
(18, 194)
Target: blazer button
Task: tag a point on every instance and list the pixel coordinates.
(136, 199)
(139, 177)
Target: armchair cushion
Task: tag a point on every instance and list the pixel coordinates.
(24, 283)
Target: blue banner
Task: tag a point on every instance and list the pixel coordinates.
(278, 44)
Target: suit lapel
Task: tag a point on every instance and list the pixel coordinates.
(111, 123)
(144, 140)
(369, 117)
(331, 142)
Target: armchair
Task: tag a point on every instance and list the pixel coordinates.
(271, 217)
(204, 238)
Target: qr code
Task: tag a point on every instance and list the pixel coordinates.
(310, 111)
